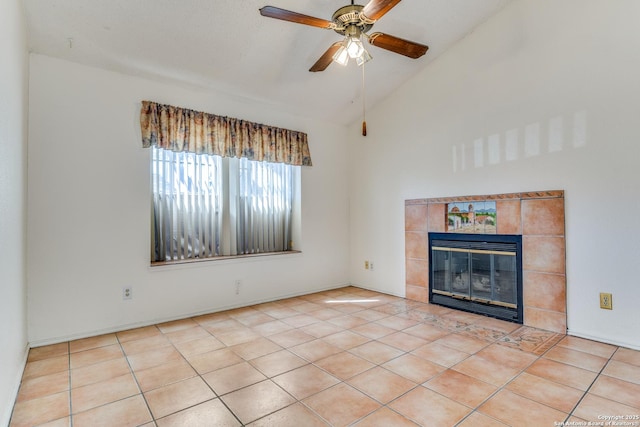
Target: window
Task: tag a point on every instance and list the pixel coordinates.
(207, 206)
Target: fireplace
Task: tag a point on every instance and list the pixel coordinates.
(479, 273)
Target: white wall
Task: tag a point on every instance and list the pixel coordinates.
(549, 91)
(89, 216)
(13, 190)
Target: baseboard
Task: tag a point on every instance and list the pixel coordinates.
(588, 336)
(5, 417)
(120, 328)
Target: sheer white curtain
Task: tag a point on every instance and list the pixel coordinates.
(206, 206)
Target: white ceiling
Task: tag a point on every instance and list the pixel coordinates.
(228, 46)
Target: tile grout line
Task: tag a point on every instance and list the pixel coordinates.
(593, 382)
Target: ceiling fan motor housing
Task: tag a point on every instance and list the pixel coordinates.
(350, 21)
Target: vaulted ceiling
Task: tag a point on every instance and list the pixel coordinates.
(227, 46)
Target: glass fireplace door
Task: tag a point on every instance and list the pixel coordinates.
(478, 275)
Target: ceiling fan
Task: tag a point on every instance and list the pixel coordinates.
(352, 21)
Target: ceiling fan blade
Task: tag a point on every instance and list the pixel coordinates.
(298, 18)
(375, 9)
(326, 59)
(396, 44)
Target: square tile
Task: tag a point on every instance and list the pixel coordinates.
(555, 395)
(440, 354)
(396, 322)
(543, 216)
(322, 329)
(545, 291)
(256, 401)
(95, 355)
(198, 346)
(187, 334)
(233, 377)
(385, 417)
(176, 325)
(376, 352)
(33, 388)
(92, 342)
(48, 351)
(476, 419)
(545, 254)
(271, 328)
(506, 356)
(137, 333)
(576, 358)
(416, 244)
(237, 336)
(426, 332)
(461, 388)
(305, 381)
(98, 394)
(347, 321)
(315, 350)
(588, 346)
(413, 368)
(341, 404)
(403, 341)
(428, 408)
(486, 370)
(462, 343)
(617, 390)
(592, 406)
(204, 414)
(295, 415)
(415, 217)
(178, 396)
(256, 348)
(372, 330)
(132, 411)
(345, 339)
(562, 373)
(300, 320)
(344, 365)
(381, 384)
(207, 362)
(151, 358)
(626, 355)
(291, 338)
(164, 374)
(516, 410)
(277, 363)
(99, 372)
(623, 371)
(142, 345)
(40, 410)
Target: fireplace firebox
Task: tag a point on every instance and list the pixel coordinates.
(479, 273)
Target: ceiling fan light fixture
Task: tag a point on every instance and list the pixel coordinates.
(341, 56)
(363, 58)
(354, 46)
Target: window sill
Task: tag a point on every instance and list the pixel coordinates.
(199, 261)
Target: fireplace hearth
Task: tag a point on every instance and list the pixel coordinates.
(479, 273)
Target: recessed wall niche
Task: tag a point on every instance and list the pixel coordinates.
(537, 216)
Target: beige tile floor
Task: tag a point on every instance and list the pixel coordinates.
(342, 357)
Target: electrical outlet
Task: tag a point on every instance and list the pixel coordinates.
(127, 292)
(366, 265)
(238, 284)
(371, 265)
(606, 301)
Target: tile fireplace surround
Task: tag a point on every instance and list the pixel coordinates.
(538, 216)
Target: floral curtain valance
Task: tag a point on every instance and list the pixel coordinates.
(179, 129)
